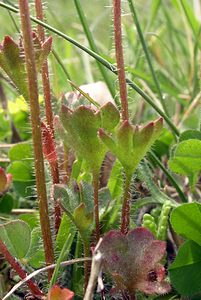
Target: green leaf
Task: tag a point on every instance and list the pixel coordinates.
(131, 143)
(12, 62)
(190, 135)
(5, 130)
(104, 199)
(23, 189)
(192, 20)
(31, 219)
(66, 228)
(68, 198)
(6, 203)
(36, 255)
(162, 144)
(185, 272)
(187, 157)
(20, 151)
(20, 171)
(82, 127)
(168, 297)
(185, 220)
(155, 5)
(83, 220)
(63, 253)
(16, 235)
(109, 116)
(115, 183)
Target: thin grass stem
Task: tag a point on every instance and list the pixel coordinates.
(106, 63)
(146, 52)
(93, 46)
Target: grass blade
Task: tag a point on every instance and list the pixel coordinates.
(62, 254)
(104, 62)
(146, 52)
(93, 46)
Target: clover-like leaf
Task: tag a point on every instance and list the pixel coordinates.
(185, 220)
(187, 262)
(133, 260)
(16, 235)
(186, 159)
(131, 142)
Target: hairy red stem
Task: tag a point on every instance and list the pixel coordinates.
(44, 71)
(17, 267)
(49, 151)
(48, 109)
(125, 214)
(36, 130)
(120, 58)
(57, 208)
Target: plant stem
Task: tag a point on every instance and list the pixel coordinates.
(44, 71)
(58, 59)
(64, 252)
(57, 209)
(120, 58)
(93, 45)
(36, 131)
(87, 264)
(96, 204)
(146, 52)
(104, 62)
(169, 176)
(17, 267)
(48, 109)
(125, 213)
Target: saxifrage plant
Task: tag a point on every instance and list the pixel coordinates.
(134, 258)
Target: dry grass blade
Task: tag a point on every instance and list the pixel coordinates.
(45, 269)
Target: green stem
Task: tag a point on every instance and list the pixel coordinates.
(87, 264)
(146, 52)
(125, 212)
(104, 62)
(36, 130)
(120, 58)
(93, 45)
(96, 204)
(169, 176)
(58, 59)
(62, 255)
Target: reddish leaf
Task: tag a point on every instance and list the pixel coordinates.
(57, 293)
(49, 150)
(134, 261)
(5, 180)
